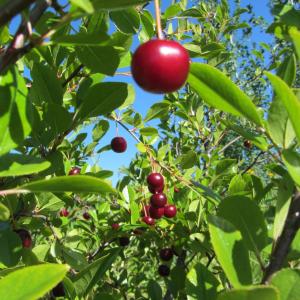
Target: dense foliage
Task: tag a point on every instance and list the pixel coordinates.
(224, 150)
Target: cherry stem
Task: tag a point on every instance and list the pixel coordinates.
(158, 20)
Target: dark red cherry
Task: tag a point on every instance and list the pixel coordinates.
(58, 291)
(115, 226)
(158, 200)
(74, 171)
(160, 66)
(155, 180)
(166, 254)
(156, 213)
(163, 270)
(118, 144)
(124, 241)
(247, 144)
(155, 190)
(148, 220)
(86, 215)
(63, 212)
(25, 237)
(170, 211)
(176, 189)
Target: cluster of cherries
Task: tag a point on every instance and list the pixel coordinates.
(158, 202)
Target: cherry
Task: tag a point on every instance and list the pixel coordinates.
(118, 144)
(145, 208)
(158, 200)
(115, 226)
(176, 189)
(155, 190)
(166, 254)
(58, 291)
(247, 144)
(170, 211)
(63, 212)
(124, 241)
(160, 66)
(163, 270)
(148, 220)
(25, 237)
(155, 180)
(156, 213)
(86, 215)
(74, 171)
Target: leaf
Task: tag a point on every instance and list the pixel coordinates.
(85, 5)
(15, 111)
(230, 251)
(4, 213)
(154, 290)
(188, 160)
(246, 216)
(100, 130)
(76, 184)
(287, 282)
(100, 59)
(10, 250)
(157, 110)
(287, 70)
(220, 92)
(288, 98)
(31, 282)
(127, 20)
(17, 165)
(295, 35)
(251, 293)
(201, 284)
(115, 4)
(46, 86)
(85, 280)
(292, 161)
(102, 98)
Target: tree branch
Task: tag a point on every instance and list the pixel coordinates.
(282, 246)
(12, 8)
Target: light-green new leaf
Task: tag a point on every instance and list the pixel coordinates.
(31, 282)
(292, 161)
(220, 92)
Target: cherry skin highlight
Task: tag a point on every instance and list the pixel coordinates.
(74, 171)
(118, 144)
(170, 211)
(158, 200)
(156, 213)
(148, 220)
(247, 144)
(160, 66)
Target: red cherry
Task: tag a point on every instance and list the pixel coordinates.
(63, 212)
(118, 144)
(124, 241)
(156, 213)
(25, 238)
(176, 189)
(115, 226)
(158, 200)
(86, 215)
(145, 209)
(155, 180)
(74, 171)
(170, 211)
(148, 220)
(156, 190)
(163, 270)
(160, 66)
(166, 254)
(247, 144)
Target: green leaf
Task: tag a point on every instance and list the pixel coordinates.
(246, 216)
(85, 280)
(154, 290)
(127, 20)
(10, 250)
(251, 293)
(4, 213)
(17, 165)
(287, 70)
(82, 38)
(230, 251)
(46, 86)
(15, 111)
(292, 161)
(76, 184)
(100, 130)
(85, 5)
(99, 59)
(31, 282)
(157, 110)
(295, 36)
(188, 160)
(287, 281)
(201, 284)
(289, 99)
(115, 4)
(103, 98)
(220, 92)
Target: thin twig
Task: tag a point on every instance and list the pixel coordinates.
(73, 75)
(253, 163)
(158, 20)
